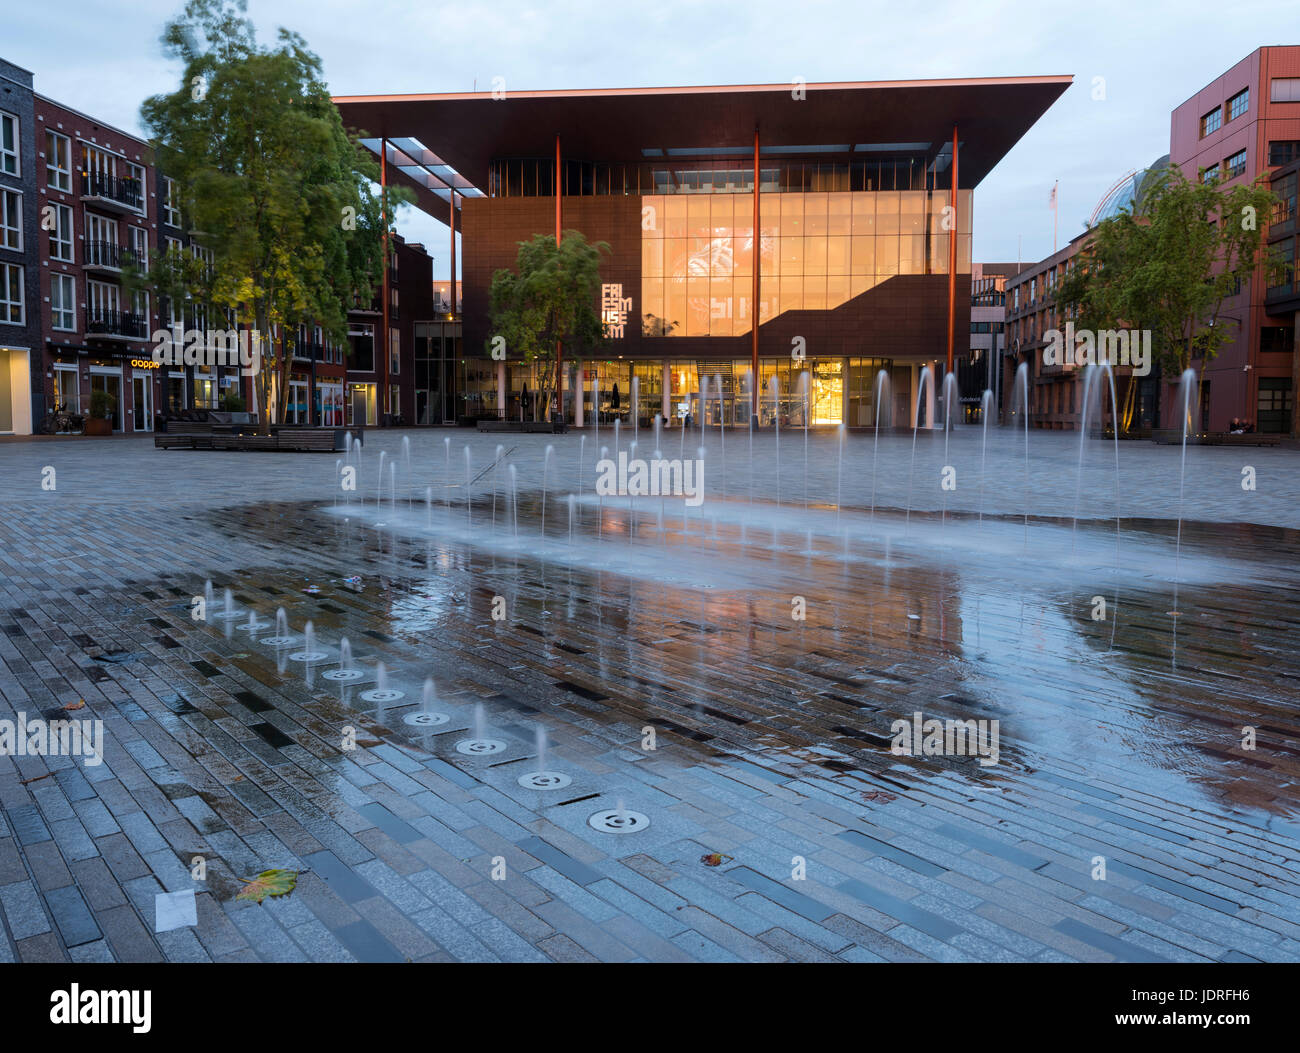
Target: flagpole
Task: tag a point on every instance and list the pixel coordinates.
(1056, 215)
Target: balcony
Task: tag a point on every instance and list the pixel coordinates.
(104, 256)
(112, 193)
(116, 325)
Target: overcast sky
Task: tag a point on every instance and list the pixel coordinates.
(103, 57)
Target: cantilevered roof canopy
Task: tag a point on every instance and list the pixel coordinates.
(438, 142)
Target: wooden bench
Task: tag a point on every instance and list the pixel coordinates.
(290, 439)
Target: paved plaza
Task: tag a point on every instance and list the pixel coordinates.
(728, 674)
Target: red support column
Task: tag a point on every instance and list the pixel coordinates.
(381, 345)
(952, 255)
(559, 344)
(754, 311)
(453, 254)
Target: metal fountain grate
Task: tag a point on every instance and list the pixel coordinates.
(279, 641)
(616, 821)
(425, 719)
(545, 780)
(345, 675)
(309, 656)
(387, 694)
(480, 747)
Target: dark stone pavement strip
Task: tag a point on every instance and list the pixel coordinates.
(210, 751)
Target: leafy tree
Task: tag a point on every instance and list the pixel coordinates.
(553, 299)
(1169, 264)
(269, 180)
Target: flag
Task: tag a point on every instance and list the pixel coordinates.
(1051, 201)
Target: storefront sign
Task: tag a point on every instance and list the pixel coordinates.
(614, 309)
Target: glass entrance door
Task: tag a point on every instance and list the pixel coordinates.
(112, 386)
(142, 396)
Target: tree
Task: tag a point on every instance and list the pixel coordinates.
(270, 182)
(1169, 264)
(553, 299)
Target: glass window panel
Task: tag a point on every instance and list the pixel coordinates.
(864, 254)
(675, 257)
(814, 292)
(652, 216)
(938, 201)
(675, 303)
(912, 212)
(652, 258)
(742, 223)
(652, 301)
(769, 252)
(837, 290)
(939, 253)
(740, 308)
(965, 208)
(814, 214)
(887, 212)
(792, 293)
(837, 255)
(724, 260)
(769, 213)
(911, 254)
(839, 219)
(674, 216)
(770, 303)
(743, 254)
(864, 213)
(792, 258)
(697, 222)
(886, 257)
(861, 283)
(720, 213)
(963, 253)
(791, 214)
(697, 305)
(720, 307)
(814, 255)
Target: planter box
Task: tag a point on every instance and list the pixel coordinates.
(97, 426)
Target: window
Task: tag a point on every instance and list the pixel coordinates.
(11, 220)
(63, 302)
(135, 173)
(394, 351)
(171, 202)
(61, 234)
(1238, 104)
(11, 294)
(58, 161)
(9, 144)
(1274, 405)
(1210, 174)
(67, 391)
(1211, 121)
(1276, 339)
(1285, 89)
(1283, 151)
(140, 248)
(1236, 164)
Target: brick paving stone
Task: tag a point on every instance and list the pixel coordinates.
(75, 922)
(23, 910)
(779, 756)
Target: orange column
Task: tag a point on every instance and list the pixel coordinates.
(453, 254)
(381, 345)
(952, 255)
(559, 344)
(753, 304)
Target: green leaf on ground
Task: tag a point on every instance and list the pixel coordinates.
(273, 883)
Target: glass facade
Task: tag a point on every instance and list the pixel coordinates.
(817, 251)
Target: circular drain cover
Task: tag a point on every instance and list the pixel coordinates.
(480, 747)
(309, 656)
(545, 780)
(255, 627)
(426, 720)
(388, 694)
(615, 822)
(343, 674)
(279, 641)
(228, 616)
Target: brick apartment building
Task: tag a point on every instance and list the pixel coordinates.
(1243, 123)
(20, 315)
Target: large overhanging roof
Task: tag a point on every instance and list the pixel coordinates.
(438, 143)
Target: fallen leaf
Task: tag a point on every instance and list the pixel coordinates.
(273, 883)
(715, 859)
(36, 778)
(79, 704)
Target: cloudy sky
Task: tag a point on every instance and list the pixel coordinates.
(103, 57)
